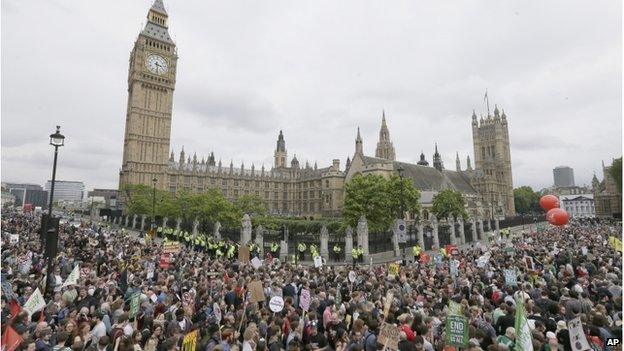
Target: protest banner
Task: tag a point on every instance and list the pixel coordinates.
(35, 302)
(72, 278)
(134, 304)
(352, 276)
(171, 247)
(578, 341)
(456, 331)
(388, 302)
(189, 343)
(455, 308)
(276, 304)
(256, 263)
(318, 262)
(451, 250)
(510, 277)
(304, 300)
(165, 259)
(256, 290)
(389, 336)
(216, 310)
(243, 254)
(530, 265)
(11, 339)
(454, 268)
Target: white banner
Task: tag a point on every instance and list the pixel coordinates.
(72, 278)
(577, 336)
(256, 262)
(318, 261)
(35, 302)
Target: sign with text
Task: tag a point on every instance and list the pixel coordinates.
(35, 302)
(171, 247)
(393, 270)
(318, 262)
(456, 330)
(276, 304)
(388, 302)
(511, 278)
(389, 336)
(256, 290)
(400, 230)
(256, 263)
(164, 261)
(243, 254)
(134, 304)
(304, 300)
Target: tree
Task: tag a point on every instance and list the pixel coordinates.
(526, 200)
(251, 204)
(139, 199)
(616, 172)
(378, 199)
(408, 195)
(449, 202)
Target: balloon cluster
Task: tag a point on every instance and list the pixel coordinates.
(554, 215)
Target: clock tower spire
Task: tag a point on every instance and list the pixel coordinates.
(151, 82)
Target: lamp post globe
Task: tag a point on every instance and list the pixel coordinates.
(57, 139)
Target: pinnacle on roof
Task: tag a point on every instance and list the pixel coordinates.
(159, 7)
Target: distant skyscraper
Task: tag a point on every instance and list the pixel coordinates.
(66, 190)
(563, 176)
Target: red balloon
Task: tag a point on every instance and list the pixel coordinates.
(557, 216)
(548, 202)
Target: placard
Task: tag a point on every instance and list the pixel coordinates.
(388, 302)
(257, 291)
(134, 304)
(165, 259)
(14, 239)
(451, 250)
(389, 336)
(528, 261)
(511, 278)
(304, 300)
(578, 341)
(35, 302)
(171, 247)
(243, 254)
(318, 262)
(256, 263)
(216, 310)
(455, 308)
(352, 276)
(276, 304)
(454, 268)
(456, 331)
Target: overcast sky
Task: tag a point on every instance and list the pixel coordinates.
(317, 70)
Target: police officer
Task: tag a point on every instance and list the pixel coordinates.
(416, 251)
(337, 251)
(274, 249)
(302, 249)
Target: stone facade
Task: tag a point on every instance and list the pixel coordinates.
(287, 189)
(151, 81)
(607, 196)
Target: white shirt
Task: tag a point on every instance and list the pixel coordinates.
(99, 331)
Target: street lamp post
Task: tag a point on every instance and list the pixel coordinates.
(57, 140)
(153, 226)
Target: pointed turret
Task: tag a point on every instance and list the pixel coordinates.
(457, 163)
(280, 154)
(504, 117)
(156, 26)
(171, 158)
(437, 160)
(468, 165)
(384, 149)
(496, 112)
(294, 163)
(262, 170)
(188, 160)
(315, 166)
(194, 157)
(358, 143)
(474, 119)
(211, 159)
(423, 160)
(182, 156)
(348, 162)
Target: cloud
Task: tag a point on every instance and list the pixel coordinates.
(317, 70)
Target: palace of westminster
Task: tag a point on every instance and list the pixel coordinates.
(289, 188)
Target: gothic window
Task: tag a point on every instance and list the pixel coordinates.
(236, 182)
(266, 195)
(187, 180)
(213, 181)
(223, 181)
(327, 183)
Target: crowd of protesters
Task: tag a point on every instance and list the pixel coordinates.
(574, 272)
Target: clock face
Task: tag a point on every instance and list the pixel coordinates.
(156, 64)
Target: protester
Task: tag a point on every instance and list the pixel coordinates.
(124, 298)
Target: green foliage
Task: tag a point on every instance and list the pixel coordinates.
(526, 200)
(405, 193)
(449, 202)
(334, 226)
(616, 172)
(251, 204)
(378, 199)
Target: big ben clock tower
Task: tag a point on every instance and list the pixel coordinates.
(151, 81)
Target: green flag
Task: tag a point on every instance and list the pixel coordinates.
(524, 341)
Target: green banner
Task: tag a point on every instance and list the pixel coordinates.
(134, 304)
(456, 331)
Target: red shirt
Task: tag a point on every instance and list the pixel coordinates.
(409, 333)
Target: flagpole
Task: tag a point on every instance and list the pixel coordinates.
(487, 103)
